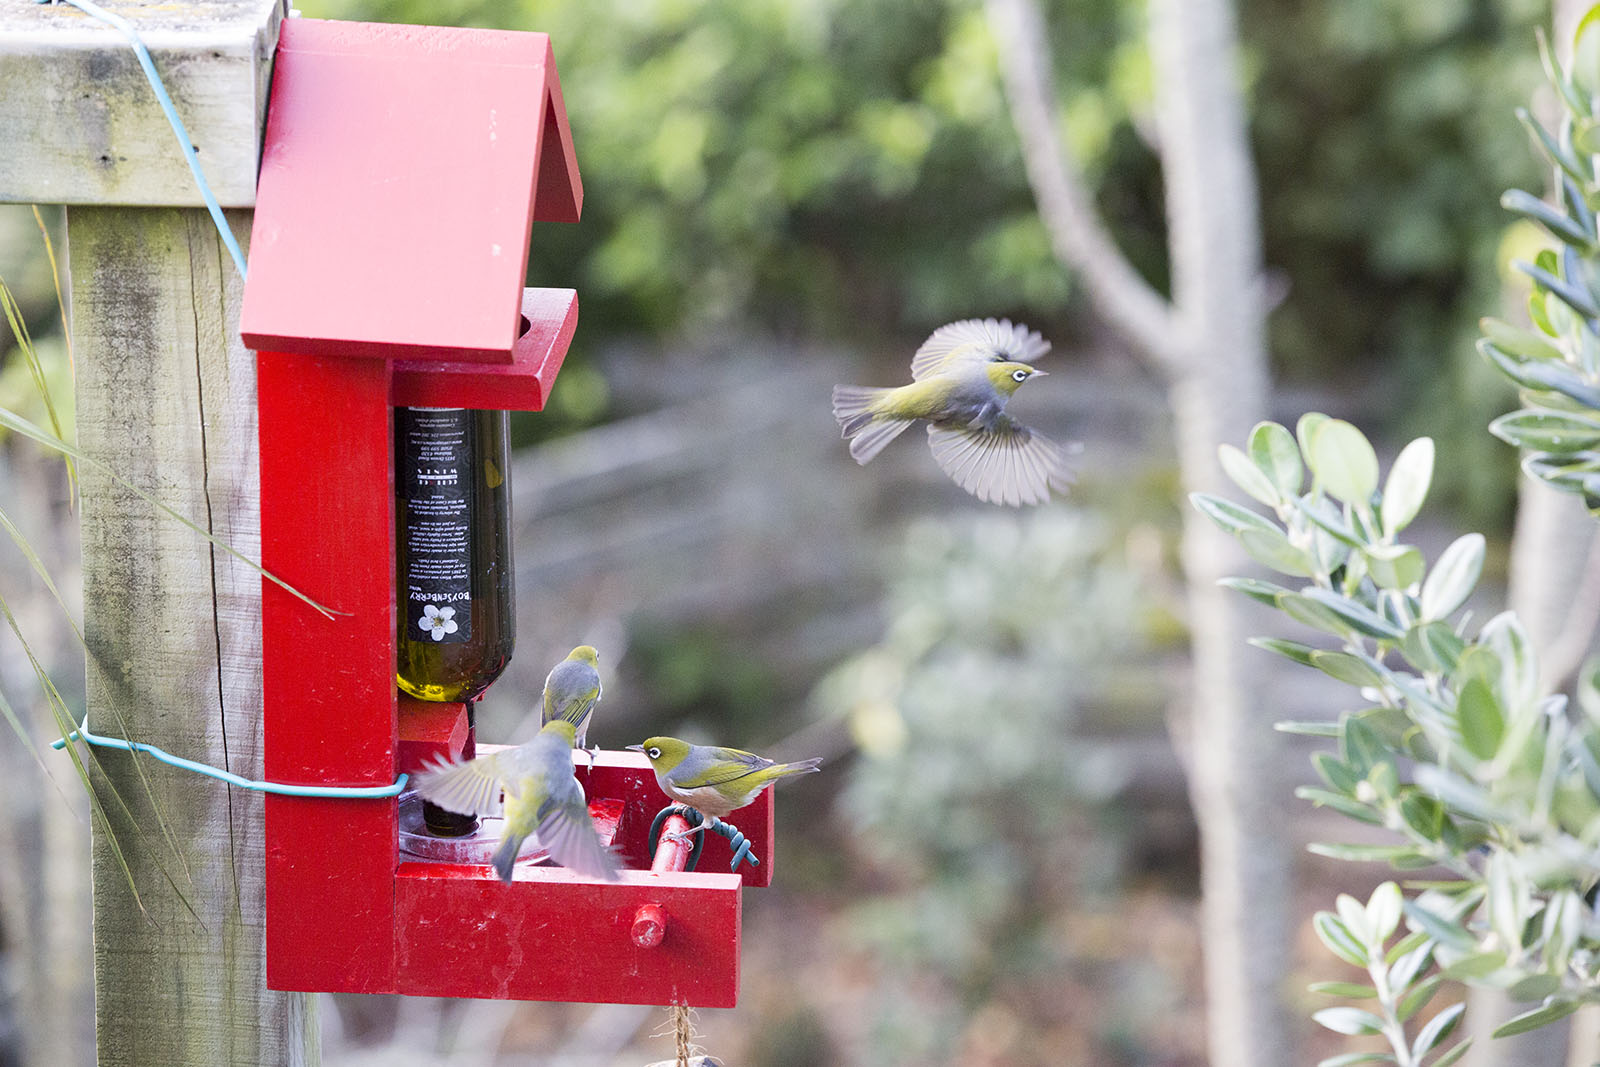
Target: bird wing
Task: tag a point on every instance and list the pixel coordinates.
(976, 341)
(720, 766)
(1007, 463)
(471, 787)
(565, 828)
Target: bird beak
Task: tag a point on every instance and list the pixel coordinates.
(635, 748)
(1041, 374)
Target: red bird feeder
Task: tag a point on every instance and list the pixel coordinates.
(402, 171)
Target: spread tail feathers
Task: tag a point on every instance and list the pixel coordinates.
(868, 432)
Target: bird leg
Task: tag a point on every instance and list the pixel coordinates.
(705, 824)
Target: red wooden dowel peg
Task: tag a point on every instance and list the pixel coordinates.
(649, 925)
(672, 854)
(672, 846)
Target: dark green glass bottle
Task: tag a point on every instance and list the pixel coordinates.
(455, 607)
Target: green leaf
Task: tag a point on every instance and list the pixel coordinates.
(1275, 454)
(1523, 203)
(1563, 924)
(1340, 776)
(1433, 646)
(1437, 1029)
(1271, 548)
(1338, 938)
(1475, 965)
(1515, 341)
(1394, 566)
(1532, 1020)
(1325, 516)
(1586, 52)
(1353, 809)
(1360, 746)
(1509, 897)
(1349, 990)
(1359, 617)
(1405, 969)
(1401, 857)
(1507, 638)
(1306, 428)
(1547, 431)
(1454, 1054)
(1423, 814)
(1589, 689)
(1453, 577)
(1482, 722)
(1534, 987)
(1352, 1021)
(1552, 148)
(1440, 929)
(1352, 670)
(1307, 729)
(1303, 609)
(1407, 485)
(1230, 516)
(1544, 375)
(1460, 795)
(1416, 999)
(1383, 910)
(1344, 462)
(1256, 589)
(1350, 1059)
(1247, 476)
(1294, 650)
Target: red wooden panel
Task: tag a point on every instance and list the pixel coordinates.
(553, 935)
(430, 731)
(627, 776)
(327, 527)
(396, 194)
(521, 385)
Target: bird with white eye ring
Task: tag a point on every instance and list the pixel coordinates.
(714, 781)
(962, 376)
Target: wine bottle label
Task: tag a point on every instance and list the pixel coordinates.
(433, 468)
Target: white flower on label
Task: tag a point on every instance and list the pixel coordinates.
(438, 621)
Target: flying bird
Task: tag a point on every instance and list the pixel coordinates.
(962, 377)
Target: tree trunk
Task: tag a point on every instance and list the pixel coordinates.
(1209, 340)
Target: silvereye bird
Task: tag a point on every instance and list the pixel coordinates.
(572, 689)
(714, 781)
(962, 377)
(541, 797)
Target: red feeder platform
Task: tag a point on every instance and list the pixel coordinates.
(402, 171)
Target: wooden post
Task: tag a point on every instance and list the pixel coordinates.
(166, 398)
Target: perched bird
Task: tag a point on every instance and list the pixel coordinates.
(962, 377)
(541, 797)
(714, 781)
(572, 689)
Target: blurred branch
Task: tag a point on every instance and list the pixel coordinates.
(1142, 315)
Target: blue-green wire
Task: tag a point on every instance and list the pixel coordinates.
(121, 25)
(355, 792)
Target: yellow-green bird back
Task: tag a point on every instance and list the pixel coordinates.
(962, 376)
(715, 781)
(572, 689)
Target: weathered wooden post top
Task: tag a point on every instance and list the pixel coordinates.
(400, 171)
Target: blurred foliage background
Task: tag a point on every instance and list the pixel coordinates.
(773, 184)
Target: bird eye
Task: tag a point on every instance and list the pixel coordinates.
(653, 752)
(1019, 375)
